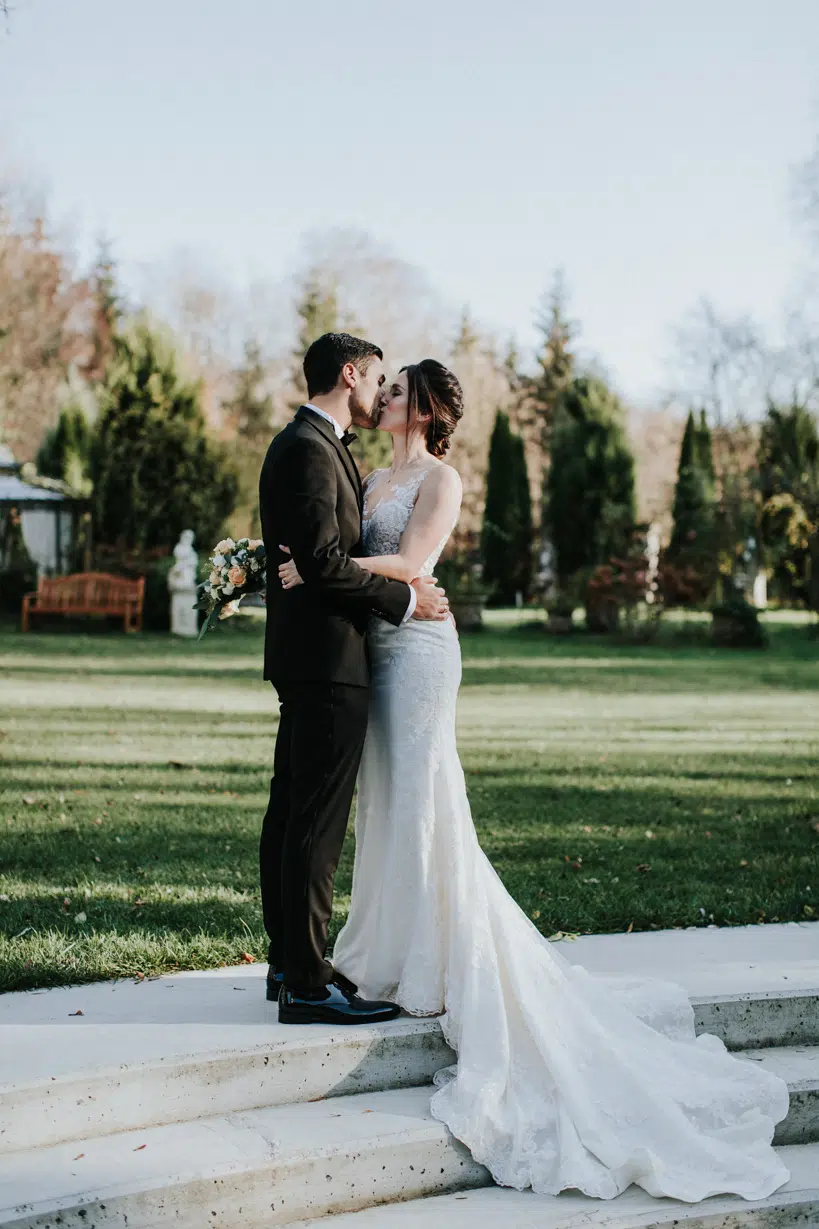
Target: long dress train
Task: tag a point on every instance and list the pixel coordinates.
(564, 1079)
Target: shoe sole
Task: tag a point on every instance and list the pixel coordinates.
(315, 1015)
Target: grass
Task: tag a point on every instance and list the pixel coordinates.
(612, 787)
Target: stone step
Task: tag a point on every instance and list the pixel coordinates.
(798, 1066)
(291, 1065)
(84, 1060)
(82, 1077)
(495, 1207)
(266, 1167)
(119, 1078)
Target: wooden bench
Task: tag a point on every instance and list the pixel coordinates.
(88, 593)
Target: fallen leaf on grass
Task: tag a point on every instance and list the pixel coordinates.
(644, 866)
(80, 917)
(140, 977)
(247, 958)
(77, 1013)
(744, 862)
(29, 800)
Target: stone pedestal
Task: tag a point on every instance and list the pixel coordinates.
(182, 587)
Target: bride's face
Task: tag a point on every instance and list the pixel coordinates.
(394, 406)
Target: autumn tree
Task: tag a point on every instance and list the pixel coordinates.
(41, 327)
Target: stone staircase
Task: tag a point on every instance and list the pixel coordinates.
(181, 1101)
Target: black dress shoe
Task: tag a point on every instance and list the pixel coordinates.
(274, 984)
(332, 1004)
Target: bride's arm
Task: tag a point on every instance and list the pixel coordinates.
(435, 512)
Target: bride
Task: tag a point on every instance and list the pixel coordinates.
(563, 1078)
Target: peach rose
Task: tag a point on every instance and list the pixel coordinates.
(236, 575)
(224, 547)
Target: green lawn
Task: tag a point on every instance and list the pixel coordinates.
(612, 786)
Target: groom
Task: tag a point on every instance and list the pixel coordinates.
(311, 501)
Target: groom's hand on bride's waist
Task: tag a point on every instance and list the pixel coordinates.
(432, 602)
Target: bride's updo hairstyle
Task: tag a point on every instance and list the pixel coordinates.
(437, 399)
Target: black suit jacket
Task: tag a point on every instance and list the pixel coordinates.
(310, 499)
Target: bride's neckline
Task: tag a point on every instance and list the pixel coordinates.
(390, 487)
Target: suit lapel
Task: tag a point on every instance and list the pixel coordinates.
(322, 426)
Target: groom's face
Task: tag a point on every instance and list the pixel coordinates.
(365, 394)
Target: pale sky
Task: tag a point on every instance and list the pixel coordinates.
(644, 145)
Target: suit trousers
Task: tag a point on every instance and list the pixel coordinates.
(321, 735)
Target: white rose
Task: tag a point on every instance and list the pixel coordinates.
(218, 561)
(228, 589)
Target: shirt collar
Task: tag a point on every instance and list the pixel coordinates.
(339, 430)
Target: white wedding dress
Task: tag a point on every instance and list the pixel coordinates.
(564, 1078)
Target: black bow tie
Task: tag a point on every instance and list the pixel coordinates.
(348, 438)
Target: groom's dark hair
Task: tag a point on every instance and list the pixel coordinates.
(328, 354)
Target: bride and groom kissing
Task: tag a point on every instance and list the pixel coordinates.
(563, 1079)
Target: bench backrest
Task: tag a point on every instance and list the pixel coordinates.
(90, 589)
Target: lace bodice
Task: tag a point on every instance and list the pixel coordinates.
(384, 522)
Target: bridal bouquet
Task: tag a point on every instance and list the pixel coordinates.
(237, 569)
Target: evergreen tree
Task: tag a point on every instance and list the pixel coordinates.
(590, 507)
(65, 453)
(788, 483)
(506, 540)
(317, 310)
(107, 313)
(694, 509)
(250, 412)
(319, 313)
(555, 360)
(705, 457)
(155, 470)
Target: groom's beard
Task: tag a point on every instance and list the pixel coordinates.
(361, 414)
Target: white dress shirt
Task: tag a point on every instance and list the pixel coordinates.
(339, 430)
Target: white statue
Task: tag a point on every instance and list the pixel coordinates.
(182, 587)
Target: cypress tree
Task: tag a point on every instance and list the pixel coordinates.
(694, 508)
(590, 505)
(506, 539)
